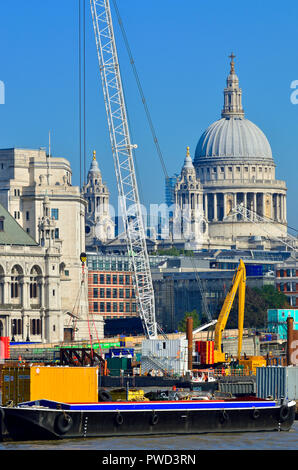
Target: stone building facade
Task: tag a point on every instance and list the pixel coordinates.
(286, 280)
(37, 191)
(30, 285)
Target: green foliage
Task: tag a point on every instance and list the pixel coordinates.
(257, 302)
(196, 321)
(272, 297)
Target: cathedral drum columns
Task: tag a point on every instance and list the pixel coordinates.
(234, 163)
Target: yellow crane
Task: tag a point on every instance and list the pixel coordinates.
(239, 282)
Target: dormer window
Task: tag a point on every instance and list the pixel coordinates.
(2, 224)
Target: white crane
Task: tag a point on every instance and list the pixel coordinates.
(122, 150)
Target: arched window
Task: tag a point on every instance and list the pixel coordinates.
(15, 286)
(35, 278)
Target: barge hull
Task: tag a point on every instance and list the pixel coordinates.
(31, 423)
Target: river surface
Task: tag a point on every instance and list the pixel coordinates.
(221, 441)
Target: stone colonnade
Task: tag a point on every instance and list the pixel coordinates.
(217, 205)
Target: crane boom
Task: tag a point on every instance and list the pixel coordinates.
(239, 281)
(122, 150)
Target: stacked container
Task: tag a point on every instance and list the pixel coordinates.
(206, 351)
(119, 365)
(277, 382)
(4, 347)
(64, 384)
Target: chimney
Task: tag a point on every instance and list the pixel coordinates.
(290, 322)
(189, 328)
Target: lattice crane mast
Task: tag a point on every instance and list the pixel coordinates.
(122, 150)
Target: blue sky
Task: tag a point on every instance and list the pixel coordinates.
(181, 53)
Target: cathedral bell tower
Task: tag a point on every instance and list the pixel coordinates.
(99, 225)
(189, 219)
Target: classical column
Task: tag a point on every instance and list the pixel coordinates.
(272, 208)
(255, 205)
(215, 207)
(43, 330)
(206, 206)
(278, 207)
(285, 207)
(224, 200)
(6, 290)
(245, 200)
(235, 204)
(263, 205)
(25, 289)
(245, 204)
(282, 207)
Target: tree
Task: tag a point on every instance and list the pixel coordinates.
(196, 321)
(272, 297)
(257, 302)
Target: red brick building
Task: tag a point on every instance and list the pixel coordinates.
(286, 280)
(110, 286)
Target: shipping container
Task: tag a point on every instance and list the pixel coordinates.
(4, 347)
(277, 382)
(166, 355)
(116, 365)
(66, 384)
(206, 351)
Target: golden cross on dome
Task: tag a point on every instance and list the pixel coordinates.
(94, 154)
(187, 152)
(232, 57)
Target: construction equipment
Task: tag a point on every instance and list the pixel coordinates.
(249, 363)
(124, 162)
(239, 281)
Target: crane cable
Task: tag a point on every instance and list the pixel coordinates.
(82, 293)
(132, 62)
(155, 139)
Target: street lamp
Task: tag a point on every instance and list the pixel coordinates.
(28, 339)
(13, 330)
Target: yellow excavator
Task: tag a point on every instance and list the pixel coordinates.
(239, 282)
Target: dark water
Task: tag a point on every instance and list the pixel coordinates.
(232, 441)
